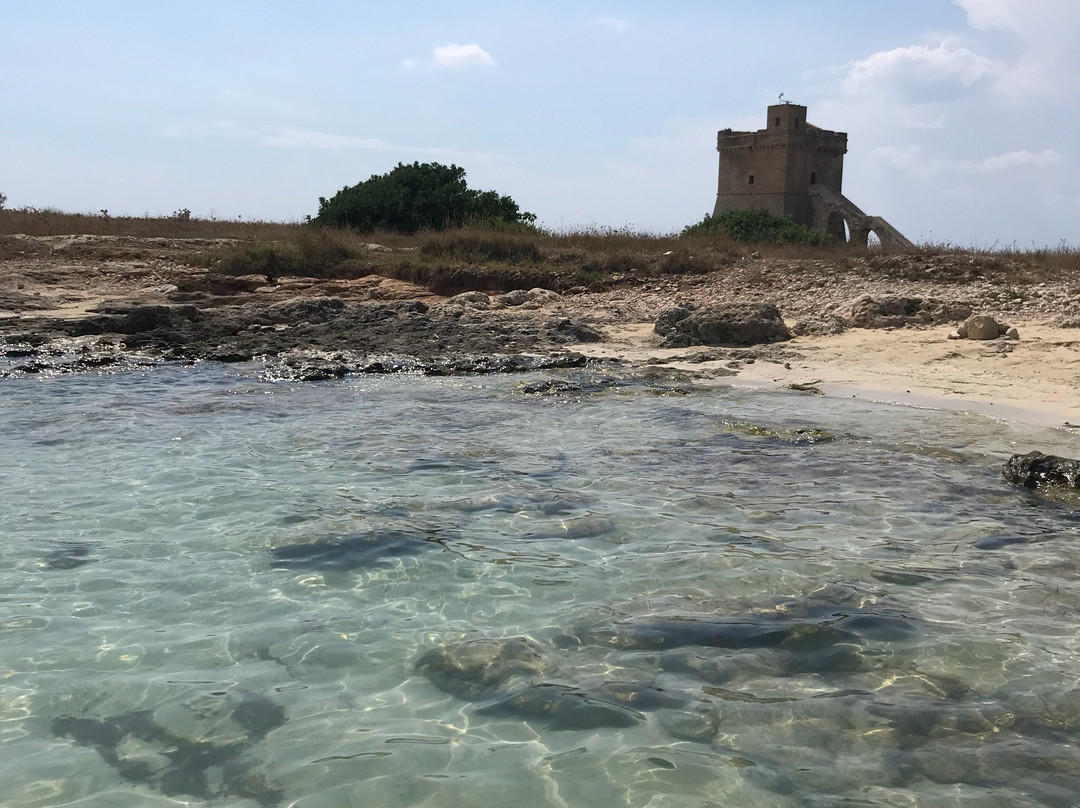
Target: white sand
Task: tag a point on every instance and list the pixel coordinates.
(1037, 382)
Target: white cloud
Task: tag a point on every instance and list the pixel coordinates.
(913, 159)
(993, 13)
(455, 56)
(200, 129)
(1045, 30)
(308, 140)
(610, 23)
(408, 64)
(919, 73)
(323, 141)
(1020, 159)
(300, 139)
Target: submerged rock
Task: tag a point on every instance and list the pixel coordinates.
(308, 366)
(698, 723)
(793, 435)
(589, 382)
(349, 552)
(69, 556)
(1038, 470)
(499, 675)
(201, 750)
(811, 636)
(996, 542)
(570, 387)
(563, 707)
(479, 669)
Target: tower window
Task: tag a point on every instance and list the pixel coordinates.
(751, 182)
(813, 178)
(777, 121)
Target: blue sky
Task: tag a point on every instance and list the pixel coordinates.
(963, 115)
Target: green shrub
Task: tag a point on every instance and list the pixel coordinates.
(420, 196)
(757, 226)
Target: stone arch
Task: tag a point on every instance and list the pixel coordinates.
(874, 240)
(836, 226)
(860, 233)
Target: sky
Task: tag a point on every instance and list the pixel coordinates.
(963, 116)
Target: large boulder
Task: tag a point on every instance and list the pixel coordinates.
(1038, 470)
(819, 325)
(721, 324)
(670, 317)
(982, 326)
(897, 312)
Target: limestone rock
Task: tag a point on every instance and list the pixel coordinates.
(1012, 333)
(470, 299)
(542, 296)
(820, 325)
(564, 330)
(981, 326)
(515, 297)
(724, 324)
(898, 312)
(668, 318)
(1038, 470)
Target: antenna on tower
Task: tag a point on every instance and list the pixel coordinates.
(780, 100)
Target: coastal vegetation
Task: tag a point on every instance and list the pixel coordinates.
(513, 256)
(757, 226)
(418, 196)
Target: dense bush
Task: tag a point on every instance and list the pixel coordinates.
(757, 226)
(420, 196)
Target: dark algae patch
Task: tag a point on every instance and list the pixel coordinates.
(143, 748)
(350, 552)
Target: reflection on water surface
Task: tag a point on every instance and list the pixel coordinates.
(220, 589)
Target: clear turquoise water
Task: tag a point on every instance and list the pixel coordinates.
(137, 595)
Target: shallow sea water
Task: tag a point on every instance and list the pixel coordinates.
(723, 614)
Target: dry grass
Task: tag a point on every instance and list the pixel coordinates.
(50, 222)
(522, 256)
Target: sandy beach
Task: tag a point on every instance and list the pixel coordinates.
(1032, 380)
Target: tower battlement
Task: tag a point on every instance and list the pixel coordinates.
(791, 168)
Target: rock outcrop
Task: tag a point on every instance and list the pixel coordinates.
(898, 312)
(1038, 470)
(405, 328)
(722, 324)
(984, 327)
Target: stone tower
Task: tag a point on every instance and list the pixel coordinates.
(792, 168)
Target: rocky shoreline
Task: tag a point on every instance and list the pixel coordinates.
(100, 303)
